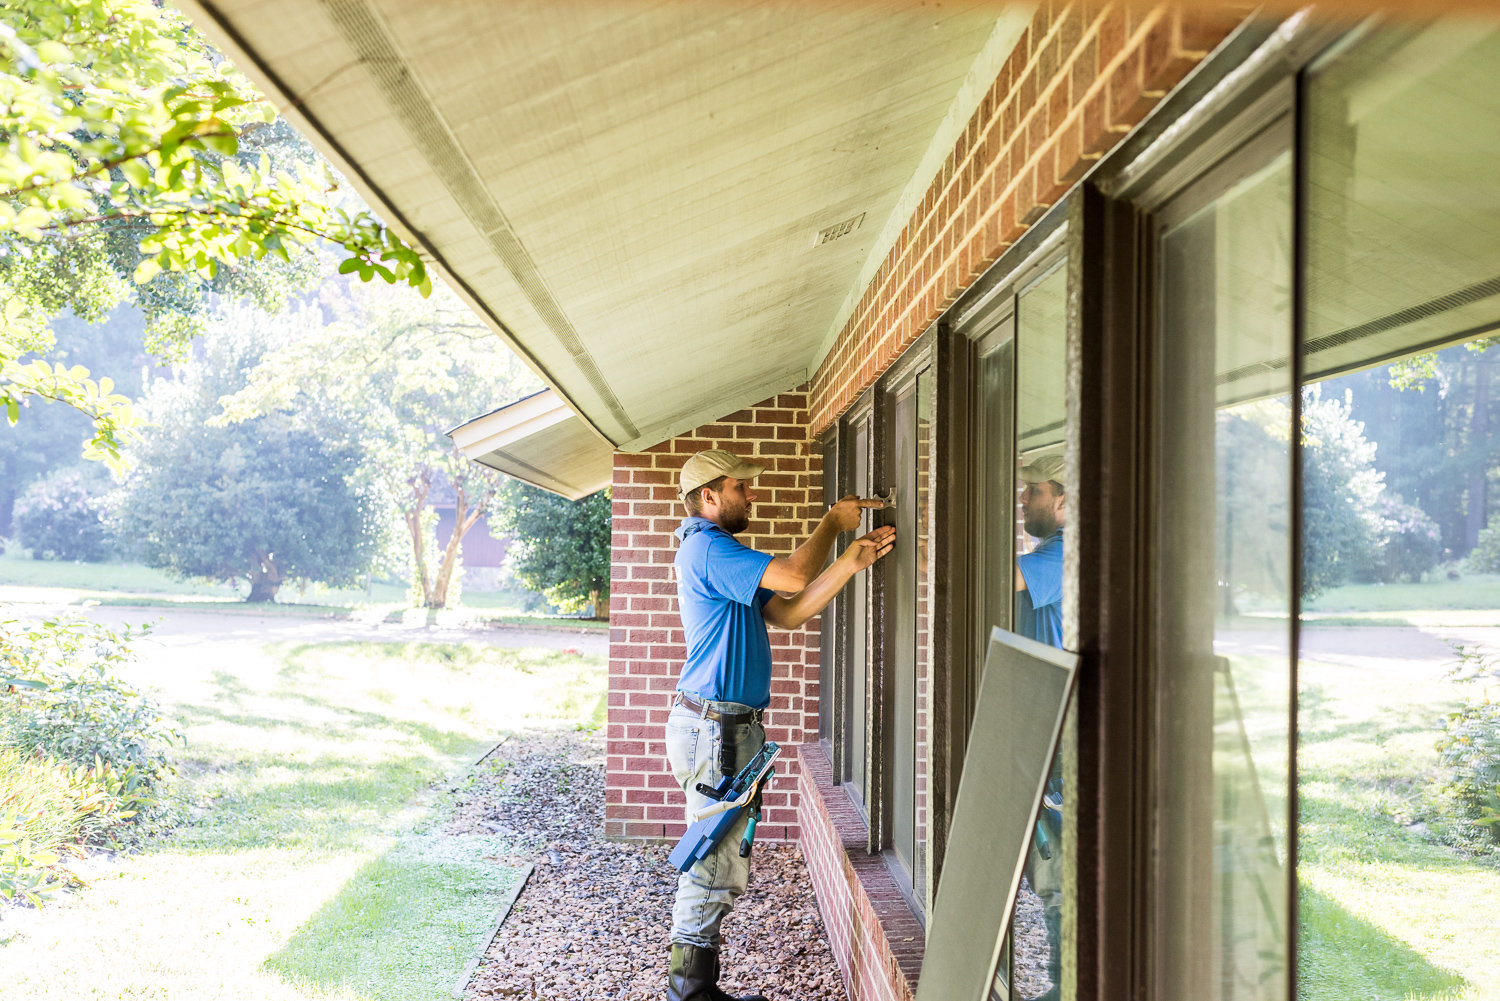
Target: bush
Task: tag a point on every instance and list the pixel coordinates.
(70, 703)
(1470, 748)
(60, 516)
(1411, 543)
(1485, 556)
(49, 811)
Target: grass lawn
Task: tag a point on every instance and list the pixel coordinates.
(1469, 601)
(311, 863)
(26, 580)
(1385, 912)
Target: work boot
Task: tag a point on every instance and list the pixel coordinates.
(694, 976)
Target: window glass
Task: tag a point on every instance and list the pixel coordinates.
(1222, 549)
(1404, 225)
(1398, 753)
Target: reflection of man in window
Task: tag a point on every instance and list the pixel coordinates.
(1039, 590)
(1039, 573)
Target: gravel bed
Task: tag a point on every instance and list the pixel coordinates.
(594, 920)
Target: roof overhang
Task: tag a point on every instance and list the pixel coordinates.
(540, 441)
(667, 209)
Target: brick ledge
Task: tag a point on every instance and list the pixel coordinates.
(876, 938)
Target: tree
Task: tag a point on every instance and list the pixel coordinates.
(391, 374)
(255, 501)
(1341, 522)
(1433, 415)
(562, 546)
(61, 516)
(123, 163)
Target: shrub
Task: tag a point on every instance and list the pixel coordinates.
(1470, 748)
(60, 516)
(72, 705)
(1485, 556)
(1411, 543)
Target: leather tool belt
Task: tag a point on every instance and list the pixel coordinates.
(727, 719)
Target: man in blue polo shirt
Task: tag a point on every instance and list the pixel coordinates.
(727, 593)
(1039, 593)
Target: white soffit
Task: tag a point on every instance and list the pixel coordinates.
(540, 441)
(630, 194)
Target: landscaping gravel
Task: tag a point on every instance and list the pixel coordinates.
(593, 922)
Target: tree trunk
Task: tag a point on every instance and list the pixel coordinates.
(421, 483)
(594, 605)
(265, 580)
(1479, 445)
(463, 520)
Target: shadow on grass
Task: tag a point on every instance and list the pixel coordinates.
(1341, 957)
(406, 924)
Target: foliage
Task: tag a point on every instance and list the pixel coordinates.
(1469, 747)
(39, 822)
(47, 439)
(1410, 543)
(257, 501)
(61, 516)
(1340, 491)
(1485, 557)
(129, 157)
(392, 375)
(1436, 420)
(1252, 517)
(562, 546)
(72, 703)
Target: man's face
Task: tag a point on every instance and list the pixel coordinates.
(1042, 508)
(731, 504)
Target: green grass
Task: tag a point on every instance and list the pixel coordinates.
(311, 862)
(1386, 912)
(1471, 593)
(28, 581)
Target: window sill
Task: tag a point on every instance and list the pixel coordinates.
(876, 937)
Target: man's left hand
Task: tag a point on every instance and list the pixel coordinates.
(848, 511)
(866, 549)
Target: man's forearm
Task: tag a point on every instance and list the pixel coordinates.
(791, 612)
(809, 557)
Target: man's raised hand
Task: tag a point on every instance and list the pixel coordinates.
(866, 549)
(847, 512)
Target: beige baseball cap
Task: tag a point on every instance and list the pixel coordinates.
(1048, 466)
(712, 464)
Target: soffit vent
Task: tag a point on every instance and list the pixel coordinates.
(839, 229)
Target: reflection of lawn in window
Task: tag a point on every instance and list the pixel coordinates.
(1386, 912)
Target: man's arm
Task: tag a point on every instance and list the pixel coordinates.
(789, 613)
(793, 573)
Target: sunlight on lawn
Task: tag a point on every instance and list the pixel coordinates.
(1386, 913)
(312, 866)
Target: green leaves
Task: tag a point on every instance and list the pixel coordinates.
(118, 115)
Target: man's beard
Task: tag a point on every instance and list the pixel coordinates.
(735, 522)
(1038, 525)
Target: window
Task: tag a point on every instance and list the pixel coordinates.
(1222, 547)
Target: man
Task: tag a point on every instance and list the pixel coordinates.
(1039, 591)
(1039, 573)
(727, 594)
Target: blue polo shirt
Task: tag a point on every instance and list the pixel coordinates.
(720, 599)
(1039, 607)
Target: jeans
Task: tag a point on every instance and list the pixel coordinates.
(701, 750)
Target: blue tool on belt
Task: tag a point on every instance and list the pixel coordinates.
(733, 795)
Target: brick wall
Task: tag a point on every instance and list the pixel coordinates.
(874, 935)
(1080, 78)
(646, 641)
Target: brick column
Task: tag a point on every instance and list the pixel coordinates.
(646, 641)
